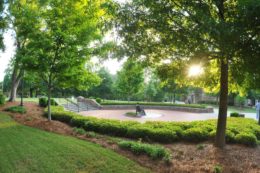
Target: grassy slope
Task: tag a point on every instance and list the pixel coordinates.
(25, 149)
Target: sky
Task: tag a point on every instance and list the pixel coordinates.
(6, 56)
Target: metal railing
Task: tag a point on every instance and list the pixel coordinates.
(69, 101)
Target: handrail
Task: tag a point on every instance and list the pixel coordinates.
(68, 100)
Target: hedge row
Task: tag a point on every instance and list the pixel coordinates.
(153, 151)
(152, 104)
(244, 131)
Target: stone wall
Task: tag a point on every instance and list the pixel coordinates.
(90, 102)
(182, 109)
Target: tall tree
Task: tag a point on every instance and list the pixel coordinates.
(196, 31)
(104, 89)
(70, 32)
(24, 22)
(2, 23)
(130, 79)
(172, 79)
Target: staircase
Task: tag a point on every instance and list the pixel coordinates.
(78, 106)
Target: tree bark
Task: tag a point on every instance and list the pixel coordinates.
(259, 117)
(16, 78)
(223, 102)
(31, 92)
(49, 104)
(49, 96)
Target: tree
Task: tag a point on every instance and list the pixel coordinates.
(2, 23)
(224, 32)
(7, 80)
(172, 79)
(69, 32)
(104, 89)
(151, 90)
(130, 79)
(24, 22)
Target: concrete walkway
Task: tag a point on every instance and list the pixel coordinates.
(166, 115)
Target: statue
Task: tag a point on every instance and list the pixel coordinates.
(139, 110)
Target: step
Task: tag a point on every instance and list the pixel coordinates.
(75, 108)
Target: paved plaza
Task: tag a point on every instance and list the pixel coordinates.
(166, 115)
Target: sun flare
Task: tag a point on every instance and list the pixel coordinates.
(195, 70)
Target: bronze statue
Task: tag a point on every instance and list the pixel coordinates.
(139, 110)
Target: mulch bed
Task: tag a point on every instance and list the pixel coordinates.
(187, 158)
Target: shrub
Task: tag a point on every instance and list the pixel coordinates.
(153, 151)
(91, 134)
(53, 102)
(78, 121)
(246, 138)
(256, 131)
(196, 134)
(111, 127)
(98, 100)
(2, 99)
(217, 169)
(43, 102)
(58, 113)
(160, 135)
(244, 131)
(79, 131)
(234, 114)
(16, 109)
(230, 136)
(212, 134)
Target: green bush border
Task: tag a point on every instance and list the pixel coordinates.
(153, 151)
(239, 130)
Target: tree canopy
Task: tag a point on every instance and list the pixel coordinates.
(130, 79)
(56, 39)
(220, 33)
(2, 23)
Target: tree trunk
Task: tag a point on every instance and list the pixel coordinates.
(16, 78)
(22, 90)
(259, 117)
(49, 103)
(31, 92)
(223, 100)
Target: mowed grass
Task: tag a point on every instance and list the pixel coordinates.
(236, 109)
(24, 150)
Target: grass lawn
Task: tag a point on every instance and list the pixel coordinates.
(24, 149)
(35, 100)
(237, 109)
